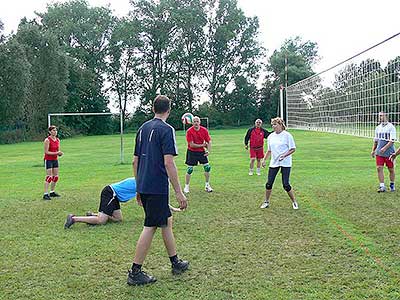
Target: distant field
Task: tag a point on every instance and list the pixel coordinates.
(343, 242)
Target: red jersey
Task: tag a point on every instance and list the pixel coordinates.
(257, 138)
(54, 146)
(198, 137)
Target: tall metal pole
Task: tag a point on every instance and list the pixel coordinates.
(281, 101)
(121, 120)
(286, 85)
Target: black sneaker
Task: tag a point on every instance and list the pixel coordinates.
(54, 194)
(69, 221)
(46, 197)
(139, 278)
(180, 266)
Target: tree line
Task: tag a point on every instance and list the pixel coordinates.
(78, 58)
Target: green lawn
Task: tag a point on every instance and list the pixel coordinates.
(343, 242)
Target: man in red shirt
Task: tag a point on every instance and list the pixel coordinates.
(199, 147)
(256, 136)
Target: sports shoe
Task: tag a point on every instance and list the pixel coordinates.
(295, 205)
(186, 190)
(54, 194)
(392, 188)
(251, 173)
(69, 221)
(208, 189)
(258, 173)
(46, 197)
(180, 266)
(265, 204)
(139, 278)
(381, 189)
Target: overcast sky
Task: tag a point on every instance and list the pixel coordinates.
(341, 28)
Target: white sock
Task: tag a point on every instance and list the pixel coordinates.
(207, 183)
(51, 191)
(382, 184)
(186, 186)
(258, 170)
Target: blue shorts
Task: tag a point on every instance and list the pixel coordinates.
(156, 209)
(50, 164)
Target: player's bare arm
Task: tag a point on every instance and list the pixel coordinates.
(173, 178)
(289, 152)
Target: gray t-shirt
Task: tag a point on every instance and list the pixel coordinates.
(384, 133)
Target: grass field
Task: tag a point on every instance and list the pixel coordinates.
(343, 242)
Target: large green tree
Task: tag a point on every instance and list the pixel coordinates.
(15, 83)
(49, 74)
(84, 33)
(232, 50)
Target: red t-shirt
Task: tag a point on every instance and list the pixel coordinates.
(257, 139)
(54, 146)
(198, 137)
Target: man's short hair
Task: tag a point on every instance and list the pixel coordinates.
(161, 104)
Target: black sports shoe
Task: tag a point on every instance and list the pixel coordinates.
(180, 266)
(54, 194)
(46, 197)
(139, 278)
(69, 221)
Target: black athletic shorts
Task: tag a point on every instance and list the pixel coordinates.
(108, 201)
(193, 158)
(156, 209)
(50, 164)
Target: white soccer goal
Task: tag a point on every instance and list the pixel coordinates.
(347, 97)
(97, 114)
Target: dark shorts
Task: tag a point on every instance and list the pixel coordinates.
(50, 164)
(156, 209)
(193, 158)
(108, 202)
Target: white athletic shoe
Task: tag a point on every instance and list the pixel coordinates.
(295, 205)
(258, 173)
(265, 204)
(186, 190)
(251, 173)
(208, 189)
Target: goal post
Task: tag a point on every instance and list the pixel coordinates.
(97, 114)
(347, 97)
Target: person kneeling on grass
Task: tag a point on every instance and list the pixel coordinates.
(109, 209)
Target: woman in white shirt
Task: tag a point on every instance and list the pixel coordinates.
(280, 147)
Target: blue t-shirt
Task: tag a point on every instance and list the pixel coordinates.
(154, 139)
(125, 189)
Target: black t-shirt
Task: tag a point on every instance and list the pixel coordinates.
(154, 139)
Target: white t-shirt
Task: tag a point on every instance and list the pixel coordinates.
(279, 144)
(384, 133)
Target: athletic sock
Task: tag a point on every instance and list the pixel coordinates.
(174, 259)
(258, 170)
(136, 268)
(382, 185)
